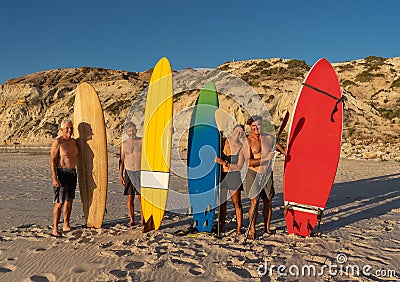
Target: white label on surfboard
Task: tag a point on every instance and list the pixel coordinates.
(154, 179)
(303, 207)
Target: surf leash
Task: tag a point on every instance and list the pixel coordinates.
(338, 100)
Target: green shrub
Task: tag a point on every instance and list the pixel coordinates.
(297, 64)
(347, 83)
(374, 59)
(388, 113)
(366, 76)
(395, 83)
(264, 64)
(270, 98)
(224, 67)
(346, 67)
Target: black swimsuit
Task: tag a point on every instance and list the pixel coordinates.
(231, 180)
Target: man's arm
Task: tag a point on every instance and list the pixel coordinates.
(54, 155)
(268, 152)
(280, 148)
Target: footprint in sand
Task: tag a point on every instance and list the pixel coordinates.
(243, 273)
(119, 273)
(196, 272)
(161, 250)
(106, 245)
(5, 270)
(8, 267)
(134, 265)
(85, 240)
(46, 277)
(187, 264)
(84, 267)
(76, 234)
(122, 253)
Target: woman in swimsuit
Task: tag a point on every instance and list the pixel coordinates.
(230, 177)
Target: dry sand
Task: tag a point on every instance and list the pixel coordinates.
(361, 222)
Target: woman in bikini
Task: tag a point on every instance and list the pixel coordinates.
(230, 177)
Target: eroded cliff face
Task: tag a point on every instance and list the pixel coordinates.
(32, 107)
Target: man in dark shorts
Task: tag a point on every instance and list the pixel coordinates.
(63, 159)
(129, 169)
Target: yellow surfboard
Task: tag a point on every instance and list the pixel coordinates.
(92, 164)
(156, 146)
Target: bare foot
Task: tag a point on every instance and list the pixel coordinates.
(67, 228)
(56, 234)
(252, 236)
(132, 223)
(267, 231)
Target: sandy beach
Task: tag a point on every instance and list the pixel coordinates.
(358, 240)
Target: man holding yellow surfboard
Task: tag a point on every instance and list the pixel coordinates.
(129, 169)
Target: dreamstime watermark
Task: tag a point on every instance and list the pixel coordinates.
(342, 268)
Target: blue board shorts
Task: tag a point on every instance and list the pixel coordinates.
(68, 180)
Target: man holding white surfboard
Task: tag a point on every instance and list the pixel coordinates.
(63, 160)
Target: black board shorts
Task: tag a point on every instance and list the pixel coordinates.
(132, 182)
(68, 181)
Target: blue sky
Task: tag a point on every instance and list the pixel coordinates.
(132, 35)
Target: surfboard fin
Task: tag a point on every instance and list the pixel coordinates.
(208, 209)
(190, 211)
(295, 224)
(309, 227)
(149, 225)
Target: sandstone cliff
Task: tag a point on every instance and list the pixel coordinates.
(31, 107)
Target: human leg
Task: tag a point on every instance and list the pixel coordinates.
(267, 213)
(269, 193)
(67, 215)
(131, 209)
(56, 218)
(253, 211)
(141, 211)
(237, 203)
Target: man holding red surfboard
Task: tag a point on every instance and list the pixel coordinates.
(258, 153)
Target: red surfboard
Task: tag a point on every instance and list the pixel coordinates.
(313, 148)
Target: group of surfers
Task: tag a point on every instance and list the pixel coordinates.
(257, 151)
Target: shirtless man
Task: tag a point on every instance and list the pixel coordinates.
(129, 169)
(258, 153)
(63, 159)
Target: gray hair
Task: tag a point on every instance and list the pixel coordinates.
(64, 121)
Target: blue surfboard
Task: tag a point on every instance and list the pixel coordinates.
(203, 147)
